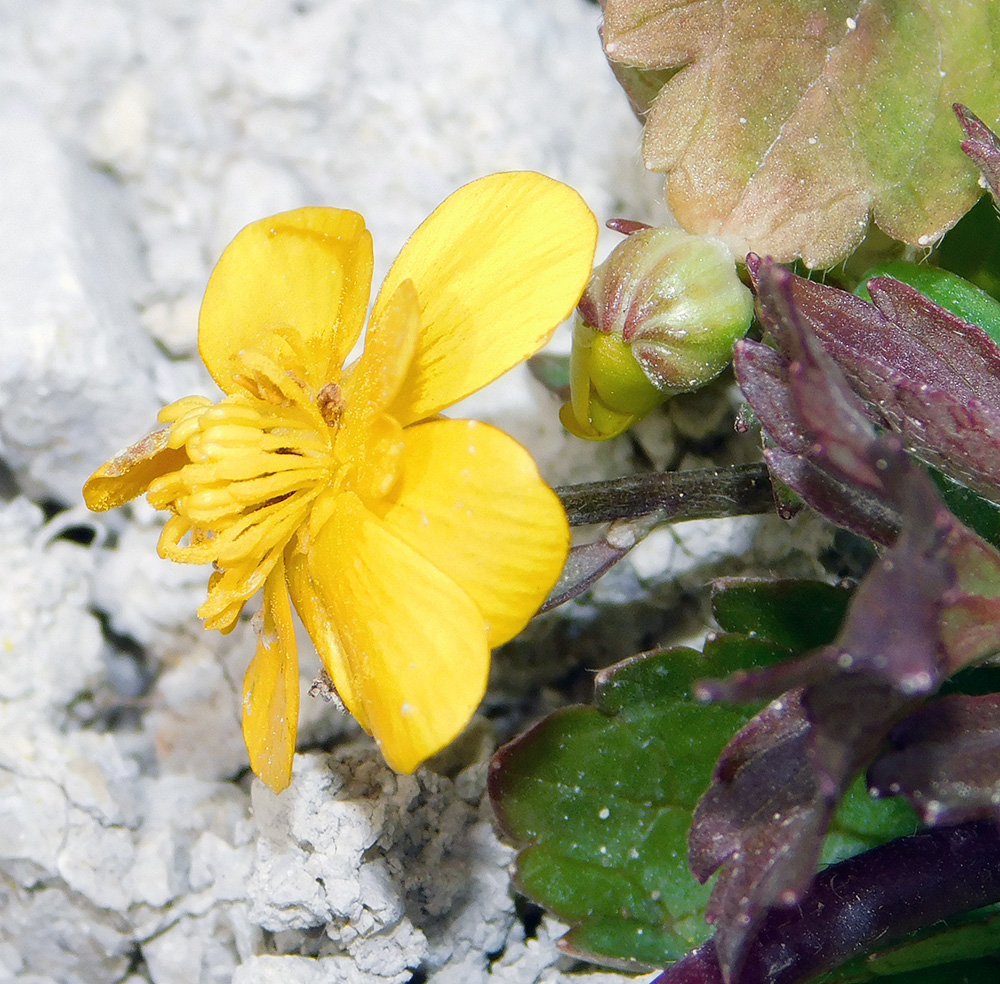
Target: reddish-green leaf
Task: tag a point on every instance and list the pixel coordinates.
(783, 126)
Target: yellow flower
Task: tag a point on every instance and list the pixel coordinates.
(408, 543)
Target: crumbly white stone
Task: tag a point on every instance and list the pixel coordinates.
(138, 136)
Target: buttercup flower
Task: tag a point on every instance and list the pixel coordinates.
(408, 543)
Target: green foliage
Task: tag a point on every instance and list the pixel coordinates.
(799, 615)
(601, 797)
(952, 292)
(972, 248)
(976, 511)
(604, 795)
(958, 952)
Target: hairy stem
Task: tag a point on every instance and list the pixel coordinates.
(705, 493)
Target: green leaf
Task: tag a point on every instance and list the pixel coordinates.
(601, 799)
(786, 125)
(862, 823)
(604, 797)
(552, 371)
(799, 615)
(976, 511)
(944, 953)
(954, 293)
(972, 248)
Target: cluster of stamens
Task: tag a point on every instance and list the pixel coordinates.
(257, 461)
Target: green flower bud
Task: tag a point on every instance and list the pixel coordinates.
(659, 317)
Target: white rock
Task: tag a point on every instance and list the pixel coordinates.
(195, 948)
(74, 379)
(195, 705)
(675, 550)
(289, 969)
(95, 861)
(143, 135)
(43, 616)
(34, 815)
(437, 856)
(121, 133)
(60, 937)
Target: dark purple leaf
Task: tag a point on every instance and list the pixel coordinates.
(891, 632)
(867, 900)
(766, 812)
(926, 608)
(761, 823)
(764, 762)
(852, 474)
(928, 375)
(982, 148)
(845, 468)
(767, 392)
(950, 350)
(857, 510)
(946, 760)
(765, 815)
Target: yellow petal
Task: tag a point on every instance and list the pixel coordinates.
(390, 343)
(497, 267)
(471, 501)
(373, 381)
(271, 688)
(414, 641)
(308, 270)
(129, 473)
(322, 630)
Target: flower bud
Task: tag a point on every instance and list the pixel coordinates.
(659, 317)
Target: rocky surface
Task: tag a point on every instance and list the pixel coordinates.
(139, 136)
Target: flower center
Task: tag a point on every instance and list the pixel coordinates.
(257, 461)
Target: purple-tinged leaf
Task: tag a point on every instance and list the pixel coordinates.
(777, 783)
(866, 901)
(783, 126)
(764, 817)
(945, 760)
(828, 411)
(760, 824)
(925, 373)
(970, 624)
(827, 449)
(982, 148)
(833, 457)
(591, 561)
(914, 619)
(892, 630)
(960, 435)
(766, 758)
(857, 510)
(953, 351)
(767, 392)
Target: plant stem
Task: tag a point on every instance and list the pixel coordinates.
(705, 493)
